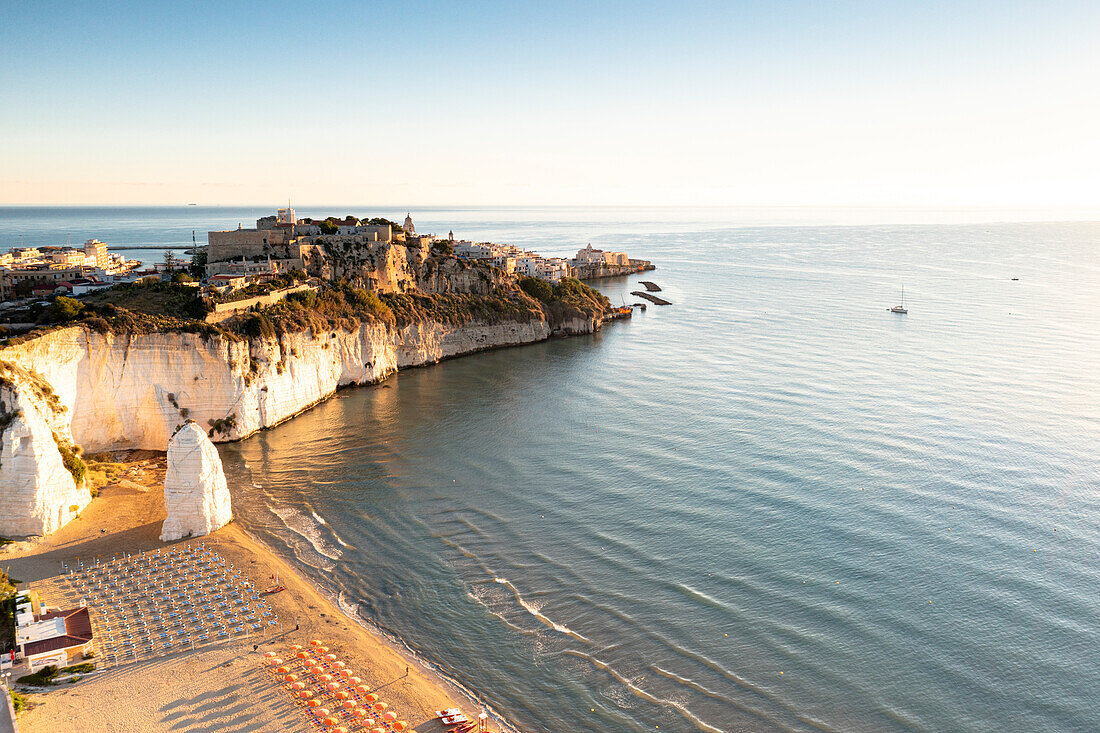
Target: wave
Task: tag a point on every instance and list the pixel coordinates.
(537, 613)
(644, 694)
(297, 522)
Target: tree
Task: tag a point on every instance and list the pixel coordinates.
(329, 227)
(198, 263)
(63, 309)
(182, 277)
(170, 260)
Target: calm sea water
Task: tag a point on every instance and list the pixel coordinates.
(771, 506)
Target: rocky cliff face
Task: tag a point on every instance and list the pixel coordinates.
(195, 494)
(38, 494)
(133, 391)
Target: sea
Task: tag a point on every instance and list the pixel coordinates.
(772, 505)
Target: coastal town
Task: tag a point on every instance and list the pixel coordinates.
(117, 377)
(235, 260)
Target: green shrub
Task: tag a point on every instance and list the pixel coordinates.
(41, 678)
(70, 456)
(61, 310)
(536, 288)
(82, 668)
(19, 702)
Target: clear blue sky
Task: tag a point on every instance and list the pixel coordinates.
(491, 103)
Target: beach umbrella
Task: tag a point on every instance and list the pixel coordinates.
(290, 678)
(362, 689)
(282, 670)
(330, 657)
(341, 729)
(315, 642)
(302, 655)
(274, 660)
(322, 649)
(298, 686)
(295, 647)
(269, 655)
(315, 703)
(322, 712)
(339, 665)
(350, 704)
(330, 721)
(345, 673)
(326, 678)
(380, 706)
(332, 686)
(389, 716)
(305, 694)
(355, 681)
(362, 713)
(379, 729)
(371, 697)
(342, 696)
(400, 725)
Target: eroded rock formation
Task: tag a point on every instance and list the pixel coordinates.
(38, 494)
(195, 494)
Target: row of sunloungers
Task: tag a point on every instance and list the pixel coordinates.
(169, 600)
(329, 694)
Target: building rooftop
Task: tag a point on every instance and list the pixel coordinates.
(56, 630)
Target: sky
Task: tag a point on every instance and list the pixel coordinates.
(763, 103)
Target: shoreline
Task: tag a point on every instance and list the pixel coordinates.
(127, 518)
(392, 641)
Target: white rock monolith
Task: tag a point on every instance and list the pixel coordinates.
(195, 494)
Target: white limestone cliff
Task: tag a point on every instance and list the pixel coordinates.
(195, 493)
(117, 391)
(38, 494)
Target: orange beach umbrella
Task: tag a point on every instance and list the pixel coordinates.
(400, 725)
(295, 647)
(298, 686)
(269, 655)
(330, 657)
(350, 704)
(342, 695)
(315, 642)
(371, 697)
(380, 706)
(389, 716)
(332, 686)
(322, 712)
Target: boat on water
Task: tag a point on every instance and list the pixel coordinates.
(900, 308)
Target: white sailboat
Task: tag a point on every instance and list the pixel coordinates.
(900, 308)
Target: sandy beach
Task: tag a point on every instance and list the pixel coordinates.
(218, 688)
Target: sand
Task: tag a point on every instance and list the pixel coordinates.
(218, 688)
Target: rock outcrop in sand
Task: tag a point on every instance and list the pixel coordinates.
(195, 493)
